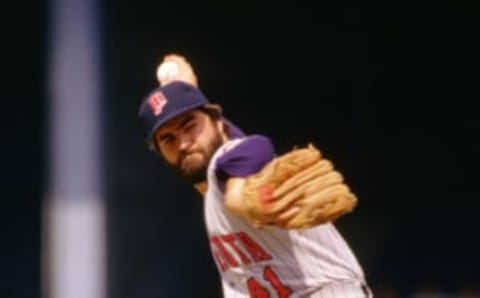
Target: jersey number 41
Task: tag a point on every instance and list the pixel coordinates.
(256, 290)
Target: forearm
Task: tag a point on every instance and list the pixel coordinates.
(234, 196)
(237, 204)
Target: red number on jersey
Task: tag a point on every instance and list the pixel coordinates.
(282, 290)
(257, 291)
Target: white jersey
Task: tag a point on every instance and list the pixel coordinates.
(274, 262)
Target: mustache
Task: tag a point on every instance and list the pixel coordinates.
(184, 155)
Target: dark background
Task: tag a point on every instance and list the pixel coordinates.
(386, 91)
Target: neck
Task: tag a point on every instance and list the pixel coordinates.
(202, 186)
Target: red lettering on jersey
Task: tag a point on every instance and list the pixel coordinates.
(221, 264)
(230, 239)
(257, 253)
(223, 253)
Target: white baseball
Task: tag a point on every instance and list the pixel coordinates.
(167, 71)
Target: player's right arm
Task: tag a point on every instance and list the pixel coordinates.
(187, 74)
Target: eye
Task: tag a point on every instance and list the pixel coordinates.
(168, 139)
(190, 126)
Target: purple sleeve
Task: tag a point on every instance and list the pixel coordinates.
(245, 159)
(234, 131)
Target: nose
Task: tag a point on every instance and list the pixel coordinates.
(185, 141)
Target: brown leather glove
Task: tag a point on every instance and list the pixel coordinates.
(300, 184)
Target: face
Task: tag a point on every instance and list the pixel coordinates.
(188, 142)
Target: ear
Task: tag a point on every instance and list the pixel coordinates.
(222, 128)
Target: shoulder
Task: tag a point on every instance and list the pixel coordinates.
(246, 156)
(251, 147)
(255, 143)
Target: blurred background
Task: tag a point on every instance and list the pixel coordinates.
(387, 91)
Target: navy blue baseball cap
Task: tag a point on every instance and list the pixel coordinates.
(165, 103)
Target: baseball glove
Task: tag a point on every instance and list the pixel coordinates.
(297, 190)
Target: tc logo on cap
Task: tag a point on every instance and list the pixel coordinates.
(156, 102)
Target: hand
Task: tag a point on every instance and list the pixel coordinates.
(185, 73)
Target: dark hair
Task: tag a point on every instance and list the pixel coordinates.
(213, 111)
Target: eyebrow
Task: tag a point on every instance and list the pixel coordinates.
(182, 123)
(187, 119)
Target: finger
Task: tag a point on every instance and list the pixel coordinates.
(287, 215)
(174, 57)
(342, 206)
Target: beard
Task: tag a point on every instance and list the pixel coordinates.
(192, 165)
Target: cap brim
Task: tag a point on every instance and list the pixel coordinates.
(164, 120)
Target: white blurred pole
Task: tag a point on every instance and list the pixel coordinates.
(74, 213)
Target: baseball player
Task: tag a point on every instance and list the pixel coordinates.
(261, 248)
